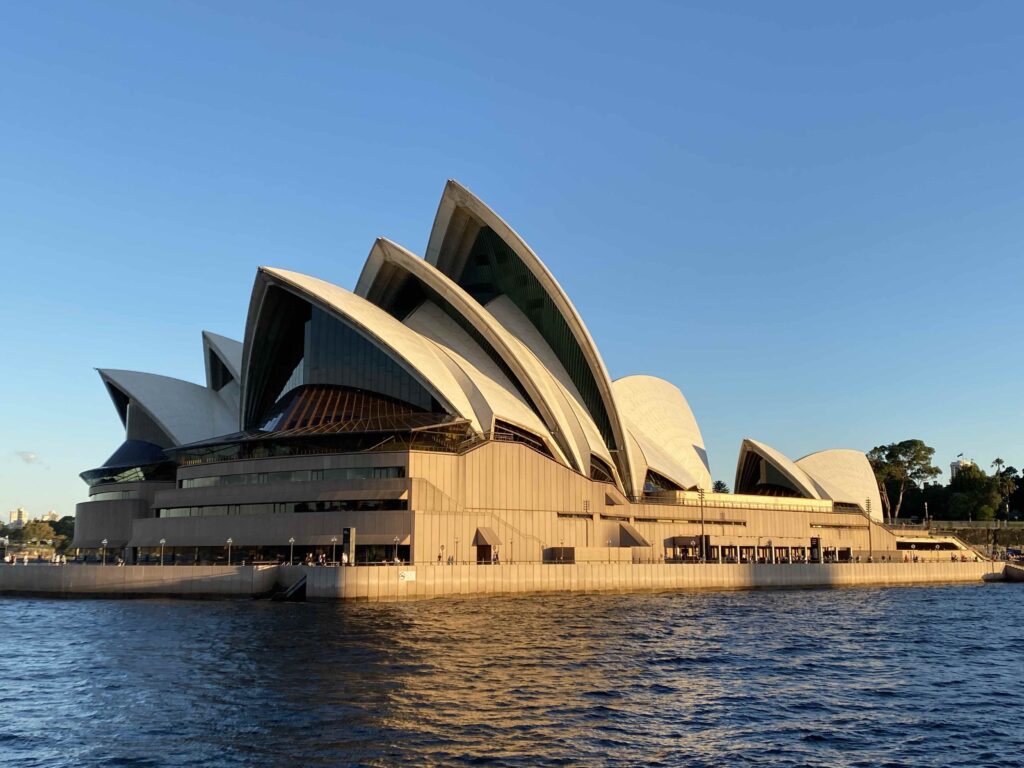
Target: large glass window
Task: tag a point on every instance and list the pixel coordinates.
(298, 344)
(296, 476)
(493, 269)
(286, 507)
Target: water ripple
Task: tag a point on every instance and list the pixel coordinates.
(865, 677)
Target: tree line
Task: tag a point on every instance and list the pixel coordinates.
(57, 534)
(907, 485)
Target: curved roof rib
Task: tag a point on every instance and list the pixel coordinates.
(845, 476)
(161, 409)
(396, 279)
(474, 246)
(410, 351)
(491, 393)
(661, 421)
(762, 469)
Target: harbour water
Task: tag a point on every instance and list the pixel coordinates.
(860, 677)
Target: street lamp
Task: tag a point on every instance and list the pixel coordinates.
(104, 543)
(511, 551)
(456, 550)
(334, 549)
(396, 549)
(291, 550)
(700, 492)
(230, 542)
(609, 550)
(162, 542)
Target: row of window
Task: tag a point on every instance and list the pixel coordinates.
(296, 476)
(287, 507)
(114, 495)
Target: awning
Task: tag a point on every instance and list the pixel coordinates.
(486, 537)
(631, 537)
(685, 541)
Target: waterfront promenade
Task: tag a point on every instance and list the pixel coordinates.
(427, 581)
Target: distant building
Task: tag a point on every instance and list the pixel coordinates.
(18, 517)
(50, 517)
(957, 465)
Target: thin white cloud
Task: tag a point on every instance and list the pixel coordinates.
(29, 457)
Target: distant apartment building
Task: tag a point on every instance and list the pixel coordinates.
(50, 517)
(957, 465)
(17, 517)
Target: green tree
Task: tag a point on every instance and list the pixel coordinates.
(898, 464)
(998, 464)
(975, 495)
(65, 527)
(720, 486)
(36, 531)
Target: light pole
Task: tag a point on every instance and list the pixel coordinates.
(162, 542)
(291, 550)
(230, 542)
(334, 549)
(609, 550)
(104, 543)
(511, 550)
(703, 554)
(456, 550)
(396, 549)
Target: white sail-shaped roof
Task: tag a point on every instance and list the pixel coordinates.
(461, 219)
(228, 351)
(665, 429)
(845, 476)
(381, 281)
(491, 394)
(184, 412)
(406, 347)
(776, 470)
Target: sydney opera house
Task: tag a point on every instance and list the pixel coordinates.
(450, 408)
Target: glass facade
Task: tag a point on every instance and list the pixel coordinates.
(220, 376)
(493, 269)
(295, 476)
(301, 344)
(286, 507)
(114, 495)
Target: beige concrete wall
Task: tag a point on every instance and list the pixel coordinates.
(375, 583)
(126, 581)
(533, 503)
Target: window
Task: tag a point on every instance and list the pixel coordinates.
(296, 476)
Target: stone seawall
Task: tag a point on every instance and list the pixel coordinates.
(402, 582)
(387, 583)
(137, 580)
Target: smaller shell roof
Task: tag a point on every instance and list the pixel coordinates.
(800, 480)
(227, 350)
(186, 412)
(845, 475)
(665, 429)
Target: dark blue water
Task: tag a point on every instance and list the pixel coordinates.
(867, 677)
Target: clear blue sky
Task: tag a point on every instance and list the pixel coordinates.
(808, 216)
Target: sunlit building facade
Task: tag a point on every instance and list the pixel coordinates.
(450, 408)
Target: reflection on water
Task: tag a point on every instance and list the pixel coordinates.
(822, 677)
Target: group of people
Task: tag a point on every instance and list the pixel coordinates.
(321, 559)
(55, 559)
